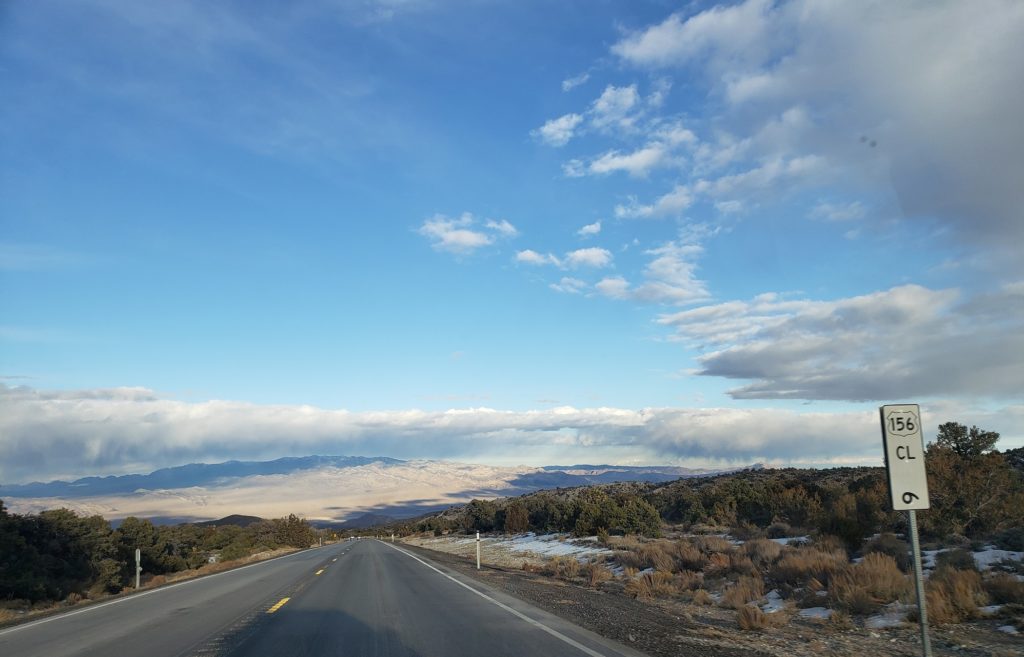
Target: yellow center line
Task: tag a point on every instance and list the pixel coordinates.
(320, 571)
(277, 606)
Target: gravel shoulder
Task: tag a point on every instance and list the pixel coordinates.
(664, 628)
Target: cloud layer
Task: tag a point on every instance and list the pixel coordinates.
(46, 434)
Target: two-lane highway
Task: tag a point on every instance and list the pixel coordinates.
(360, 598)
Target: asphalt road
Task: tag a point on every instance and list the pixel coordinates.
(359, 598)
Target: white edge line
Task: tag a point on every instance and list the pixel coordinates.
(136, 596)
(518, 614)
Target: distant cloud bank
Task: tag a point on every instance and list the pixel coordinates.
(51, 434)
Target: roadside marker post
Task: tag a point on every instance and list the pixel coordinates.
(908, 486)
(478, 550)
(138, 567)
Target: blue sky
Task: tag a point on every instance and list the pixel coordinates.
(492, 231)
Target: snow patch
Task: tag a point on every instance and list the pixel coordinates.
(816, 612)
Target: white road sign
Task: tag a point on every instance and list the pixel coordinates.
(904, 456)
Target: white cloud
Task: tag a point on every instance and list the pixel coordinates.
(614, 108)
(905, 342)
(558, 132)
(502, 227)
(613, 287)
(574, 168)
(590, 229)
(669, 277)
(531, 257)
(638, 163)
(569, 285)
(670, 204)
(458, 235)
(47, 435)
(738, 31)
(856, 86)
(595, 257)
(571, 83)
(590, 257)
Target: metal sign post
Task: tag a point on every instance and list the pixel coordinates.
(138, 566)
(478, 550)
(908, 486)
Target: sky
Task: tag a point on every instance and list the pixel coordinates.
(505, 232)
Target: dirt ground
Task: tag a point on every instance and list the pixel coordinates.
(664, 628)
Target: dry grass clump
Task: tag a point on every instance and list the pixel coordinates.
(862, 588)
(689, 580)
(741, 564)
(847, 594)
(718, 564)
(629, 559)
(954, 595)
(596, 574)
(658, 556)
(797, 567)
(689, 556)
(568, 568)
(1004, 588)
(762, 551)
(650, 585)
(746, 589)
(712, 544)
(889, 543)
(701, 597)
(751, 618)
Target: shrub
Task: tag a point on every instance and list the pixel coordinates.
(712, 544)
(803, 564)
(840, 620)
(746, 589)
(959, 559)
(701, 597)
(741, 564)
(1010, 539)
(751, 618)
(889, 544)
(649, 585)
(763, 551)
(1004, 588)
(829, 543)
(689, 580)
(629, 559)
(881, 577)
(747, 532)
(778, 530)
(569, 568)
(596, 574)
(954, 595)
(847, 594)
(718, 564)
(658, 556)
(689, 557)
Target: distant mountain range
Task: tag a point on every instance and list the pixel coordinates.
(330, 490)
(183, 476)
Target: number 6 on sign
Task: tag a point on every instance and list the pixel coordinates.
(904, 456)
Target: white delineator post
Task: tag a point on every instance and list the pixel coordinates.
(392, 537)
(908, 486)
(138, 566)
(478, 550)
